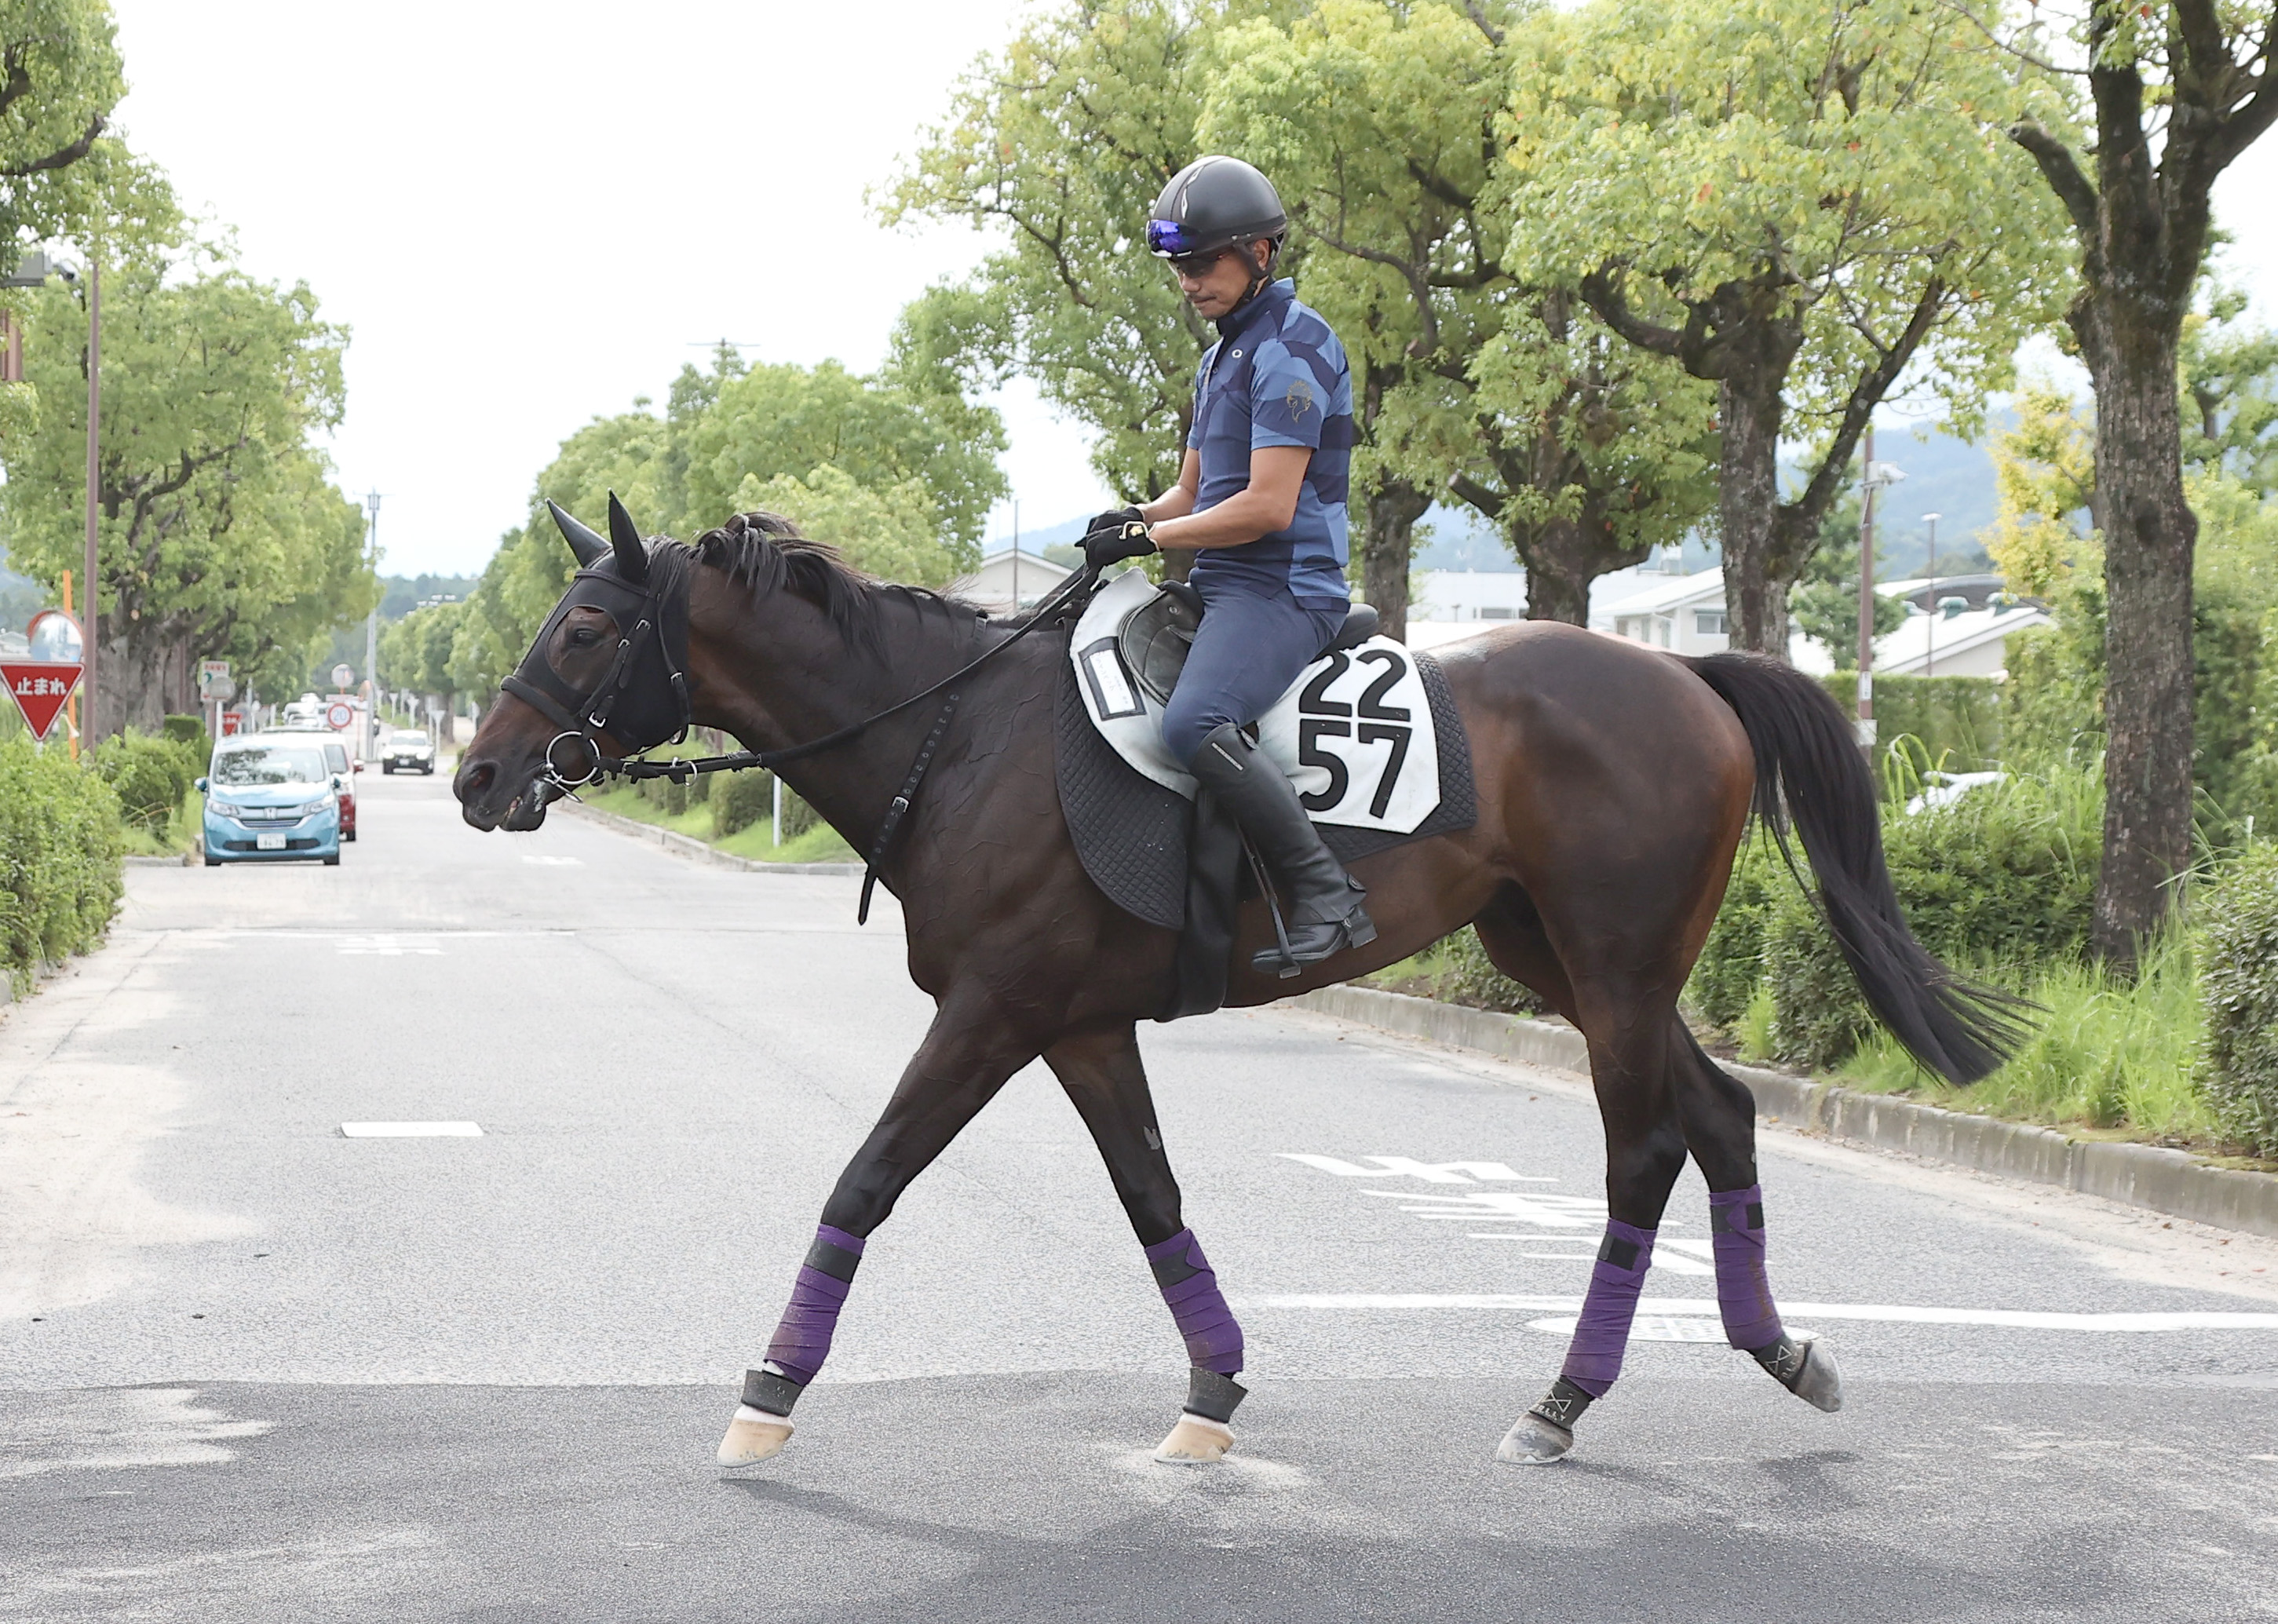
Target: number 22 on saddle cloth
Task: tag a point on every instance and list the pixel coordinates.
(1357, 732)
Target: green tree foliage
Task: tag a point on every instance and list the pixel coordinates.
(415, 652)
(1825, 603)
(1380, 125)
(1795, 203)
(221, 535)
(60, 77)
(1059, 144)
(2231, 393)
(897, 470)
(774, 421)
(2175, 91)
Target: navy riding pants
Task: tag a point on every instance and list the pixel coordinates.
(1250, 648)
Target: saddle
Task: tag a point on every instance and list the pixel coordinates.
(1156, 636)
(1369, 735)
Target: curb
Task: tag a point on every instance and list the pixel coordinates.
(2150, 1175)
(139, 859)
(689, 846)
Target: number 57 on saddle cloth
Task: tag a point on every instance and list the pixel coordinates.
(1357, 732)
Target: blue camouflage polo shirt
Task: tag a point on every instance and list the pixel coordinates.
(1277, 377)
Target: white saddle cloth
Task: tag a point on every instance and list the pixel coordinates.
(1353, 732)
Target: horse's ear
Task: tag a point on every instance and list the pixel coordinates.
(625, 537)
(583, 541)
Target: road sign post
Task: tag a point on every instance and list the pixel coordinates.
(44, 683)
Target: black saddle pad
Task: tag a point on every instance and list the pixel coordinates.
(1133, 835)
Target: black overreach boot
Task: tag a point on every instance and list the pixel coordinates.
(1326, 915)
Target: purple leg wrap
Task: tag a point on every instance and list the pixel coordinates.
(1198, 1307)
(803, 1340)
(1593, 1358)
(1736, 1230)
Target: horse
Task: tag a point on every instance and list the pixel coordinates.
(1614, 784)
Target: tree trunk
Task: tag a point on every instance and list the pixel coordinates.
(1749, 408)
(130, 672)
(1558, 573)
(2150, 537)
(1386, 549)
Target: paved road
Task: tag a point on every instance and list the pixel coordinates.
(253, 1370)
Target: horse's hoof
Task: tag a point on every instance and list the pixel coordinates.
(753, 1436)
(1819, 1384)
(1195, 1441)
(1535, 1442)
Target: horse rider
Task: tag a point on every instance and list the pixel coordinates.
(1260, 501)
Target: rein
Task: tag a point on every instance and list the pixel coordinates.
(586, 713)
(681, 769)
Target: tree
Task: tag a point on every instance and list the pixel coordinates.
(414, 653)
(1797, 202)
(2177, 89)
(787, 420)
(1826, 600)
(220, 533)
(2044, 472)
(2231, 393)
(60, 77)
(1061, 144)
(1380, 123)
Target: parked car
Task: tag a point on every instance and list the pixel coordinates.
(410, 749)
(272, 799)
(344, 772)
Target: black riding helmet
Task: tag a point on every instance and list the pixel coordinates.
(1217, 203)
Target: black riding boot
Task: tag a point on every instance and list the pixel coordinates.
(1325, 913)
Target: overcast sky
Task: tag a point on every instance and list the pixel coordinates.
(531, 213)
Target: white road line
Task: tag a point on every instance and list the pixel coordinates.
(2022, 1319)
(544, 861)
(410, 1130)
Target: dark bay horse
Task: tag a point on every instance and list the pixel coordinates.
(1613, 785)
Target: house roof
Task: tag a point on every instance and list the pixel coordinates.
(1925, 638)
(1677, 592)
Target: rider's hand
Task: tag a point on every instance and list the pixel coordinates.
(1114, 537)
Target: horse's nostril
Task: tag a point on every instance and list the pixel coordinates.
(478, 777)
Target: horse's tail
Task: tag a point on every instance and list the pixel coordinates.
(1809, 768)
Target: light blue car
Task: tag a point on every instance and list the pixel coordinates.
(271, 801)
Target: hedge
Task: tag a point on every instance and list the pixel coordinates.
(1997, 885)
(59, 857)
(1957, 718)
(2237, 952)
(150, 776)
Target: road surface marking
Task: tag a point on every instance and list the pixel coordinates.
(2021, 1319)
(544, 861)
(1408, 1167)
(389, 946)
(1659, 1328)
(410, 1130)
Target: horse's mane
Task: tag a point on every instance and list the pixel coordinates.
(766, 553)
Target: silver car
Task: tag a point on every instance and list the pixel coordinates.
(410, 749)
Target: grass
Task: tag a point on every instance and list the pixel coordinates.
(2111, 1057)
(820, 844)
(182, 832)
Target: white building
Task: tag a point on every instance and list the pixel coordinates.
(1686, 615)
(1955, 642)
(1008, 580)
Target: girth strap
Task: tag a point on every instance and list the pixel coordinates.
(901, 804)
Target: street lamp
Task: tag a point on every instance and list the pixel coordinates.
(1877, 475)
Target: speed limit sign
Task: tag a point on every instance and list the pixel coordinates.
(340, 715)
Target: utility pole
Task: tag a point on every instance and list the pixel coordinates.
(1016, 555)
(1929, 567)
(371, 636)
(1875, 477)
(93, 639)
(1866, 703)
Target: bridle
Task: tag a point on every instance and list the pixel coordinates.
(658, 712)
(643, 697)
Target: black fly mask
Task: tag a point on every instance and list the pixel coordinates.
(642, 699)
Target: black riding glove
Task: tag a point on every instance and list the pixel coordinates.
(1114, 536)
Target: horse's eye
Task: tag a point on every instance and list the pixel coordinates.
(584, 637)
